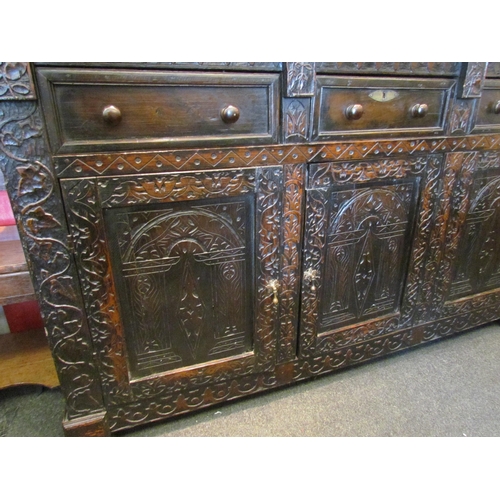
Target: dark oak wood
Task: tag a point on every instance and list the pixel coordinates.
(250, 228)
(156, 108)
(488, 118)
(379, 105)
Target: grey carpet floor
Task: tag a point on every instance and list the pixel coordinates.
(447, 388)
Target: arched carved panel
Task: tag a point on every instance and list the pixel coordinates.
(477, 267)
(184, 281)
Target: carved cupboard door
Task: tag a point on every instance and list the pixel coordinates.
(367, 250)
(468, 284)
(177, 272)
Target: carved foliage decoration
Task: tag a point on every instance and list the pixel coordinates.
(300, 79)
(16, 81)
(296, 120)
(351, 234)
(36, 202)
(460, 116)
(94, 269)
(472, 79)
(293, 206)
(146, 242)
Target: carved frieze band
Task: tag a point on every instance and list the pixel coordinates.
(211, 159)
(300, 79)
(16, 81)
(37, 204)
(472, 79)
(390, 68)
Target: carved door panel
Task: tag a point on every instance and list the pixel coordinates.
(177, 271)
(469, 275)
(367, 245)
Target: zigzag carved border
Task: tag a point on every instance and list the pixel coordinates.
(203, 159)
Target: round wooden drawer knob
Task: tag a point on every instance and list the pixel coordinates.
(419, 110)
(230, 114)
(354, 112)
(111, 115)
(496, 108)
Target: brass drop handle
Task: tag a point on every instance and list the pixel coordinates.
(496, 108)
(230, 114)
(111, 115)
(354, 112)
(310, 276)
(419, 110)
(274, 286)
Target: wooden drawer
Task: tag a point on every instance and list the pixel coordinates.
(379, 105)
(487, 119)
(156, 109)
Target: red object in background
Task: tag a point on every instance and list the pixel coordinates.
(6, 215)
(23, 316)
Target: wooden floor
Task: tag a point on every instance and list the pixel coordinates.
(25, 358)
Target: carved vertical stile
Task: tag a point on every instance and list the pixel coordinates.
(426, 245)
(84, 216)
(37, 204)
(458, 176)
(293, 207)
(269, 217)
(314, 241)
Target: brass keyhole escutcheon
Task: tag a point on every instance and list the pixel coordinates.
(274, 285)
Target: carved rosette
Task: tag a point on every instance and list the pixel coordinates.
(16, 82)
(37, 204)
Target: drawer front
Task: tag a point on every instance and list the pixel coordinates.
(92, 110)
(488, 113)
(353, 106)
